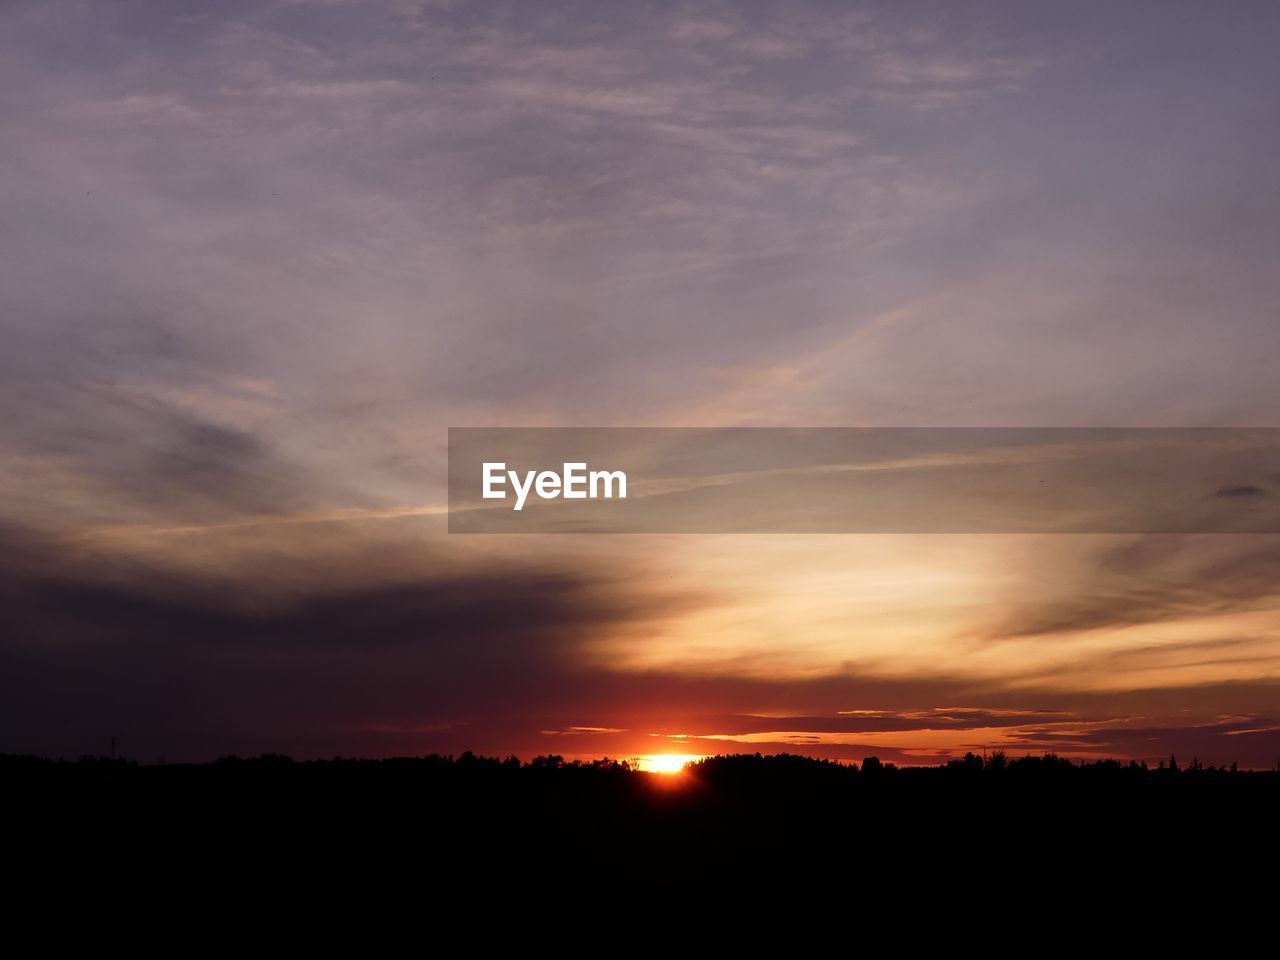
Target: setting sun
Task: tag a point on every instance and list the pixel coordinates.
(666, 762)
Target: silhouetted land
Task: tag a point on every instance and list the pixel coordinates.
(778, 853)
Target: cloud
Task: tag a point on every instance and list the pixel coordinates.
(258, 257)
(95, 644)
(489, 658)
(1152, 579)
(1240, 492)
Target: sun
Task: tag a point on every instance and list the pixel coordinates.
(669, 763)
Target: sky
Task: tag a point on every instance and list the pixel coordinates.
(258, 257)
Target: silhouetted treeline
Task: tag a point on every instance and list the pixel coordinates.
(739, 772)
(489, 855)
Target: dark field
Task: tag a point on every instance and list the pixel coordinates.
(778, 853)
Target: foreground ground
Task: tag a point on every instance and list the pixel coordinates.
(766, 852)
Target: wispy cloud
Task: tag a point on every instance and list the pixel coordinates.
(257, 257)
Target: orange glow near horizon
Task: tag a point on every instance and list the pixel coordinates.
(667, 763)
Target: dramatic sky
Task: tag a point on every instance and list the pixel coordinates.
(256, 257)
